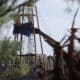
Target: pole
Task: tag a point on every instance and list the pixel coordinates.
(34, 38)
(40, 36)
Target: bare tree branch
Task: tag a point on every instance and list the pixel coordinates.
(11, 8)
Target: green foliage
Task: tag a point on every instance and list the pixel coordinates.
(8, 50)
(6, 6)
(23, 69)
(8, 57)
(6, 18)
(20, 70)
(5, 9)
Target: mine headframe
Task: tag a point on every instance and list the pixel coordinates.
(28, 28)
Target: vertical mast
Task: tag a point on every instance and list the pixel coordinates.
(72, 37)
(30, 18)
(39, 35)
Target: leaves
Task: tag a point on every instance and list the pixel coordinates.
(8, 7)
(8, 50)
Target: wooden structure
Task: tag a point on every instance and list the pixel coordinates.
(60, 70)
(21, 25)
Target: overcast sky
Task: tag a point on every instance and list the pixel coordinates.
(54, 15)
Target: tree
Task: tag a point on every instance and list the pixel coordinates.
(8, 7)
(10, 64)
(8, 50)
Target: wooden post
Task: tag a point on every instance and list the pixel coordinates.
(40, 37)
(58, 66)
(72, 37)
(34, 38)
